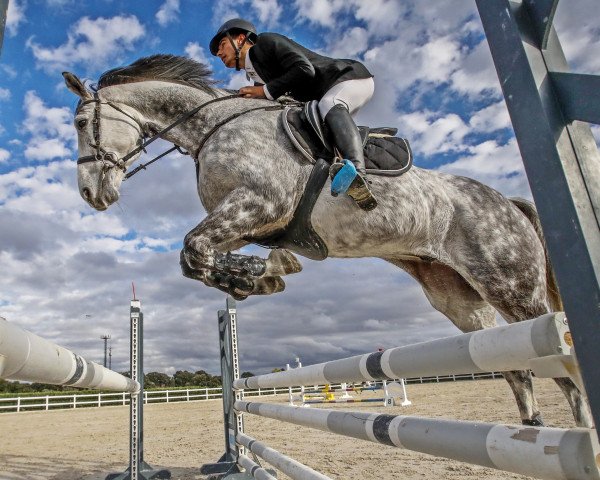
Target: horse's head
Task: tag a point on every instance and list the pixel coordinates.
(109, 134)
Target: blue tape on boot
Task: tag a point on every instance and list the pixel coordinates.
(341, 182)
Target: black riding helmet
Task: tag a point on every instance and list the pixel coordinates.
(235, 24)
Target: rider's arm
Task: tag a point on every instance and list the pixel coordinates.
(297, 69)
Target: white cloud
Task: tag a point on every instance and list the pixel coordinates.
(196, 52)
(381, 16)
(496, 165)
(9, 71)
(476, 74)
(269, 11)
(237, 80)
(4, 94)
(49, 120)
(492, 118)
(46, 149)
(168, 12)
(579, 34)
(4, 155)
(59, 3)
(51, 130)
(91, 42)
(431, 133)
(15, 16)
(225, 10)
(354, 41)
(321, 12)
(403, 64)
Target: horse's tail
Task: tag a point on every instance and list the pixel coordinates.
(530, 212)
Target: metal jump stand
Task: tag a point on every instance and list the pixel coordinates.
(227, 466)
(138, 468)
(550, 109)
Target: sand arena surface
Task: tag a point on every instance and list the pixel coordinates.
(93, 442)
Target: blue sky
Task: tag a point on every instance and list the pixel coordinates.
(65, 270)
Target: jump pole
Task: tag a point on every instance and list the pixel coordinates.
(28, 357)
(138, 469)
(541, 345)
(543, 452)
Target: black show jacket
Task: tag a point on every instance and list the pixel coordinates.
(289, 68)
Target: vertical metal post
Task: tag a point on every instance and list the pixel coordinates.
(137, 373)
(105, 338)
(560, 158)
(138, 468)
(3, 13)
(230, 371)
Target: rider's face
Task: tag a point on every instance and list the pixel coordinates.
(226, 52)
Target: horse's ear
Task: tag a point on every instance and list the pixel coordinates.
(76, 86)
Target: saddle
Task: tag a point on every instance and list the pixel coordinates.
(385, 154)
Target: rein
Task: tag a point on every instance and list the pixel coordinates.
(112, 160)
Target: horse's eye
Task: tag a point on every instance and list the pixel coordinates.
(82, 123)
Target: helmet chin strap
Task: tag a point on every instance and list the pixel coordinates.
(237, 49)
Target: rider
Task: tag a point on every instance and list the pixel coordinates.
(279, 66)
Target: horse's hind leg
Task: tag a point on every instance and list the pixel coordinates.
(579, 406)
(450, 294)
(522, 297)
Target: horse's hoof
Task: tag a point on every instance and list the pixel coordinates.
(237, 296)
(241, 286)
(536, 421)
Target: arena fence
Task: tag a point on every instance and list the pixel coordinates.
(88, 400)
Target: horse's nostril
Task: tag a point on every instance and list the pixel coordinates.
(86, 194)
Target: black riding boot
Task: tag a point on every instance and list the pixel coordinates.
(347, 139)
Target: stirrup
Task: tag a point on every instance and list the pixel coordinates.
(345, 179)
(342, 175)
(360, 192)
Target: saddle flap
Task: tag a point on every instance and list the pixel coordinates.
(313, 117)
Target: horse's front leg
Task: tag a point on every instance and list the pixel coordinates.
(205, 255)
(238, 287)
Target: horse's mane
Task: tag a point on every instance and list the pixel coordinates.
(164, 67)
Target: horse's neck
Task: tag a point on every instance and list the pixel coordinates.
(160, 104)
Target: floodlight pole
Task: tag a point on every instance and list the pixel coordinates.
(106, 338)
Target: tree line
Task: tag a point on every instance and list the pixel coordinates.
(181, 378)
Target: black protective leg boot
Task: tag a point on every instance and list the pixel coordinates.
(347, 139)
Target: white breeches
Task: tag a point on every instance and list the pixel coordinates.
(351, 93)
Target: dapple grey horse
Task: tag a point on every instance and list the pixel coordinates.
(473, 251)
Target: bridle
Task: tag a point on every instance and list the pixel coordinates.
(108, 159)
(111, 160)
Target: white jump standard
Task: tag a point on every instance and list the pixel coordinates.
(542, 344)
